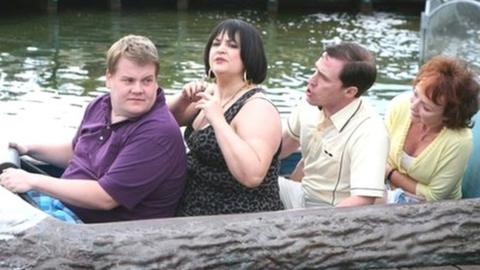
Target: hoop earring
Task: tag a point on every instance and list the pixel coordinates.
(247, 81)
(208, 76)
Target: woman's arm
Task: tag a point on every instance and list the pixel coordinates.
(448, 171)
(403, 181)
(249, 144)
(182, 106)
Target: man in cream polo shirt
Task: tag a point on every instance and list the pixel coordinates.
(343, 141)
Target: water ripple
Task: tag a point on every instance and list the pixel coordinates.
(51, 66)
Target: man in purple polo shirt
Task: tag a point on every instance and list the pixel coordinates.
(127, 160)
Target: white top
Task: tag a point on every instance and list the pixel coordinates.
(406, 160)
(344, 158)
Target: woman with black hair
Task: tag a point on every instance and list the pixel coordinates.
(233, 131)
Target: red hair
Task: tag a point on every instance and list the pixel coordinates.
(449, 81)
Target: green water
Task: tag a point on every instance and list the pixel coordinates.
(51, 66)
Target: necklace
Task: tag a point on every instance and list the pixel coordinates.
(245, 86)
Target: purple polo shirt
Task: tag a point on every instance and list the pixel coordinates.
(140, 163)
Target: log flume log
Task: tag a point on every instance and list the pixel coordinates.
(379, 236)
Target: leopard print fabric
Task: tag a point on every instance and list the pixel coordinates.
(211, 189)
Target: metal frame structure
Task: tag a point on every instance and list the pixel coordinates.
(432, 7)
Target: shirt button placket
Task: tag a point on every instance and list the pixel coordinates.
(106, 131)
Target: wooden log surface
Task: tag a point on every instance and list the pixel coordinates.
(379, 236)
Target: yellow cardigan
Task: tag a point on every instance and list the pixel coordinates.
(439, 168)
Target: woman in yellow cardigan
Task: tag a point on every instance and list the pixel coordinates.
(430, 133)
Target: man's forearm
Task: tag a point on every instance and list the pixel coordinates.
(82, 193)
(356, 201)
(289, 145)
(55, 154)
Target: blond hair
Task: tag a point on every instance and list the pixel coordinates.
(138, 49)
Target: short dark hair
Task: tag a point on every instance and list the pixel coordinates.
(359, 67)
(251, 48)
(450, 81)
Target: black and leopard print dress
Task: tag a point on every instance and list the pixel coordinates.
(211, 189)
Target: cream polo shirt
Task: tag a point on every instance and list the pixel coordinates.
(344, 157)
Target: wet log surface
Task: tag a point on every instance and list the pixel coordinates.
(434, 234)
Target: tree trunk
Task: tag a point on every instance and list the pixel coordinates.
(379, 236)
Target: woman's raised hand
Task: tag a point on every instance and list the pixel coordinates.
(209, 102)
(191, 90)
